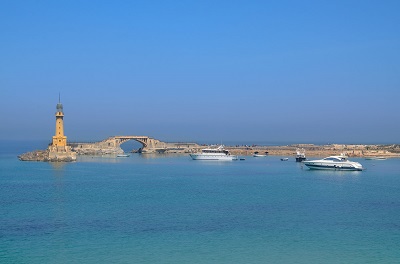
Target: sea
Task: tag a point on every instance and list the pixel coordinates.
(171, 209)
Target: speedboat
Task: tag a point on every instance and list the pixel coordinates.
(214, 154)
(284, 159)
(334, 163)
(300, 155)
(257, 154)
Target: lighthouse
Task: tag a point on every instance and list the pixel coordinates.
(58, 150)
(59, 139)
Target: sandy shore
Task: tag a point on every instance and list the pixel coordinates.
(312, 150)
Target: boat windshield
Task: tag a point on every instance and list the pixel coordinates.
(214, 151)
(335, 158)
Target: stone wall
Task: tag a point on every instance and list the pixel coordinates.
(171, 148)
(112, 146)
(95, 149)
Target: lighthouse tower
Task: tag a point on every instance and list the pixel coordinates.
(58, 150)
(59, 140)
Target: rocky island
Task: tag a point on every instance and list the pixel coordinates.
(47, 155)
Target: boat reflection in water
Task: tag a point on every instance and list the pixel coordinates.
(375, 158)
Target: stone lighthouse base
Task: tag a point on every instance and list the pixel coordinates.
(61, 154)
(52, 154)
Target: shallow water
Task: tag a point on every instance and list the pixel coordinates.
(171, 209)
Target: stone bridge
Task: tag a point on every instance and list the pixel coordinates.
(112, 145)
(147, 142)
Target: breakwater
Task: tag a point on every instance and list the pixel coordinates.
(112, 145)
(312, 150)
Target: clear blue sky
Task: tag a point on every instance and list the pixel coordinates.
(271, 71)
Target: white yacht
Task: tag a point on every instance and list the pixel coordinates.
(214, 154)
(334, 163)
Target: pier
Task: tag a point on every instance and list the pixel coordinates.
(112, 145)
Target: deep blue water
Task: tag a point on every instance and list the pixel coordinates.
(171, 209)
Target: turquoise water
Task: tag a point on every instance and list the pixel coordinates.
(171, 209)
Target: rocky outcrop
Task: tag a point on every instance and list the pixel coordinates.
(49, 155)
(37, 155)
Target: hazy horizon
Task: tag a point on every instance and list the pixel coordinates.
(225, 71)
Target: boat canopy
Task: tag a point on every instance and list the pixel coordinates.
(336, 158)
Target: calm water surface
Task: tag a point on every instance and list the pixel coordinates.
(171, 209)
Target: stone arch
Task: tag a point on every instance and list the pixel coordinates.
(144, 140)
(149, 145)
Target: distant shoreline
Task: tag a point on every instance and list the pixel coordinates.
(320, 150)
(311, 150)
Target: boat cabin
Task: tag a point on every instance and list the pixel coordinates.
(336, 158)
(220, 149)
(211, 151)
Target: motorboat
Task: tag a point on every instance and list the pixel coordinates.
(123, 155)
(334, 163)
(300, 155)
(284, 159)
(218, 153)
(257, 154)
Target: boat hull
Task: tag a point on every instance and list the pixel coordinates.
(213, 157)
(321, 166)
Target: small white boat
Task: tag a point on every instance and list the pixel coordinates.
(300, 155)
(334, 163)
(123, 155)
(375, 158)
(213, 154)
(284, 159)
(257, 154)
